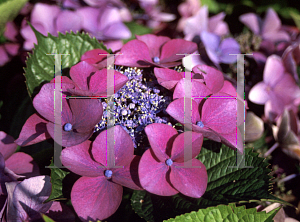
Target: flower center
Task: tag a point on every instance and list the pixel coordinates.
(156, 59)
(136, 105)
(169, 162)
(108, 174)
(200, 124)
(68, 127)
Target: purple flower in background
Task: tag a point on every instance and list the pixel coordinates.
(154, 16)
(218, 51)
(9, 49)
(78, 118)
(49, 19)
(98, 193)
(200, 22)
(151, 50)
(277, 90)
(269, 28)
(161, 168)
(26, 201)
(104, 23)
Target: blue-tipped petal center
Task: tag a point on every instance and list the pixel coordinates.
(169, 162)
(200, 124)
(156, 59)
(108, 173)
(68, 127)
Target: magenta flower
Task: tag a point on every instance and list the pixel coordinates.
(49, 19)
(98, 193)
(150, 50)
(200, 22)
(216, 119)
(89, 81)
(161, 168)
(78, 118)
(219, 51)
(277, 90)
(168, 78)
(96, 57)
(269, 28)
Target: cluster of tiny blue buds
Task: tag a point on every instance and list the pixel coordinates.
(136, 105)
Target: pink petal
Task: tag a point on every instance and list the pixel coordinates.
(82, 71)
(229, 89)
(22, 164)
(161, 137)
(71, 138)
(153, 175)
(94, 56)
(176, 110)
(114, 45)
(198, 90)
(259, 93)
(271, 22)
(251, 20)
(11, 31)
(154, 43)
(98, 82)
(274, 69)
(286, 89)
(3, 56)
(207, 132)
(12, 48)
(195, 141)
(213, 78)
(78, 160)
(123, 146)
(191, 182)
(116, 31)
(169, 52)
(7, 145)
(233, 140)
(128, 175)
(168, 78)
(133, 54)
(220, 114)
(277, 36)
(43, 102)
(95, 198)
(33, 131)
(108, 16)
(86, 114)
(216, 24)
(68, 21)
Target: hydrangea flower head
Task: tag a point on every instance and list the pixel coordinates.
(161, 168)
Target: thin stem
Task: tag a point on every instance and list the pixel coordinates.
(271, 149)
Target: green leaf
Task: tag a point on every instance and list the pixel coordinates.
(57, 175)
(40, 66)
(46, 218)
(9, 10)
(223, 213)
(296, 17)
(136, 29)
(225, 185)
